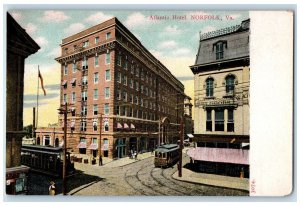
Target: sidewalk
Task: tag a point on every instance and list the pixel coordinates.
(213, 180)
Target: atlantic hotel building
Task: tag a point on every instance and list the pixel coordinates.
(110, 80)
(222, 80)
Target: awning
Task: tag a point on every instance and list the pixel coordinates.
(72, 124)
(132, 126)
(126, 126)
(245, 144)
(119, 126)
(190, 135)
(81, 145)
(73, 81)
(104, 147)
(93, 146)
(64, 83)
(224, 155)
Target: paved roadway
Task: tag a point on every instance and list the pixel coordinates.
(140, 178)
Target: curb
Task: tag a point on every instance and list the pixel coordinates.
(217, 186)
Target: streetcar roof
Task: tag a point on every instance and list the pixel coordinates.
(167, 148)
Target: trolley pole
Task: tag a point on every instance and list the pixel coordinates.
(100, 133)
(65, 112)
(180, 148)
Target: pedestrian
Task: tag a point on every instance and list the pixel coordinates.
(135, 155)
(52, 188)
(101, 160)
(151, 150)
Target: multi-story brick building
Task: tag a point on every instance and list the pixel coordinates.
(222, 80)
(108, 75)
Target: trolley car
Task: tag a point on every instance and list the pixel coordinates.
(44, 159)
(166, 155)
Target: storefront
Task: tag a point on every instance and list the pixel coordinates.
(120, 148)
(16, 180)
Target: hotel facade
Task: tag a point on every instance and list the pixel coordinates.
(120, 97)
(222, 80)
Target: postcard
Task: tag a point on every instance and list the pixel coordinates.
(149, 102)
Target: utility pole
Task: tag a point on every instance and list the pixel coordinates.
(64, 112)
(33, 123)
(100, 133)
(180, 148)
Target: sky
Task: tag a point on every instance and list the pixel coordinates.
(173, 41)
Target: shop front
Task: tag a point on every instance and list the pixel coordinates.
(16, 180)
(120, 148)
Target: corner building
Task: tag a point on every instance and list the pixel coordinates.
(222, 80)
(110, 80)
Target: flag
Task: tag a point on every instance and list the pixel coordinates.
(42, 83)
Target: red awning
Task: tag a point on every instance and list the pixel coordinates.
(93, 146)
(119, 126)
(72, 125)
(126, 126)
(73, 81)
(64, 83)
(225, 155)
(132, 126)
(81, 145)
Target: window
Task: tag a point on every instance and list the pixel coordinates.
(119, 77)
(119, 60)
(219, 119)
(84, 110)
(96, 40)
(118, 94)
(65, 98)
(124, 79)
(96, 61)
(130, 112)
(82, 128)
(84, 63)
(74, 67)
(107, 58)
(131, 83)
(131, 98)
(108, 35)
(84, 96)
(95, 128)
(132, 69)
(142, 102)
(95, 94)
(106, 126)
(73, 112)
(118, 110)
(126, 64)
(106, 109)
(208, 120)
(229, 84)
(230, 123)
(219, 50)
(66, 50)
(65, 69)
(95, 109)
(85, 44)
(124, 96)
(123, 111)
(74, 47)
(84, 80)
(95, 141)
(73, 97)
(107, 75)
(107, 93)
(137, 72)
(136, 100)
(210, 87)
(96, 78)
(137, 86)
(142, 88)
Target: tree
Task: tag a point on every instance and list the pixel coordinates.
(28, 131)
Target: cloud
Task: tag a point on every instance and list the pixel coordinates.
(168, 44)
(54, 16)
(208, 29)
(158, 55)
(74, 28)
(137, 19)
(42, 41)
(33, 104)
(30, 97)
(98, 18)
(30, 28)
(16, 15)
(54, 52)
(170, 31)
(181, 52)
(52, 87)
(185, 78)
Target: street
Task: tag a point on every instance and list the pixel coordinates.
(142, 178)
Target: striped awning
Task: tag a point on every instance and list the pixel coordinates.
(126, 126)
(119, 125)
(64, 82)
(72, 125)
(73, 81)
(93, 146)
(132, 126)
(104, 147)
(224, 155)
(81, 145)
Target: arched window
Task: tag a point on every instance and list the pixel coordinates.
(209, 87)
(230, 84)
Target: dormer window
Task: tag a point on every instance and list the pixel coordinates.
(219, 46)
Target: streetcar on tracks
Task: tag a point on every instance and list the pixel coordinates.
(166, 155)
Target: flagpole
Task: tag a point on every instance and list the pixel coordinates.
(37, 99)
